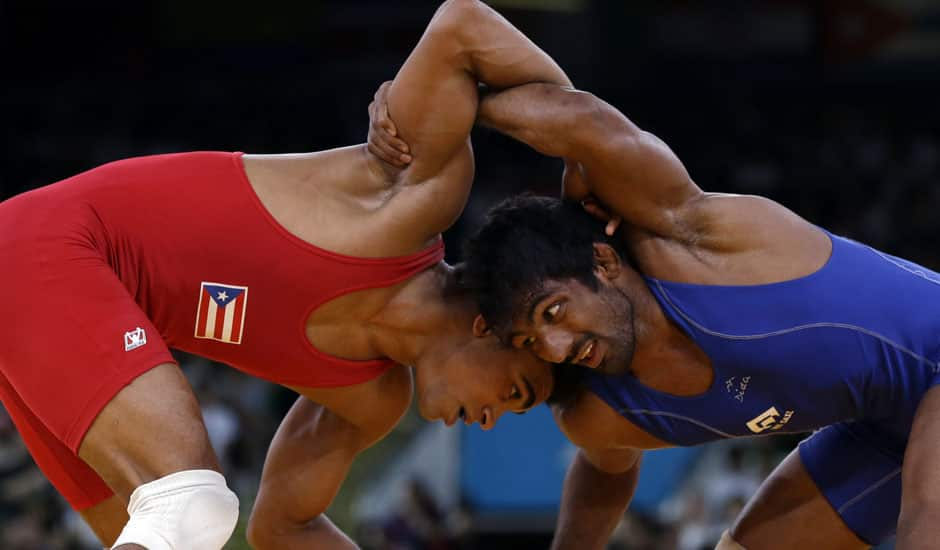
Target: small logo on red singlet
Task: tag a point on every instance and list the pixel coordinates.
(134, 339)
(220, 314)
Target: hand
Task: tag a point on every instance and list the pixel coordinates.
(594, 208)
(574, 187)
(383, 140)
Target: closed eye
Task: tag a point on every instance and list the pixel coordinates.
(516, 394)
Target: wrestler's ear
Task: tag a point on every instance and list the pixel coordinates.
(480, 327)
(607, 262)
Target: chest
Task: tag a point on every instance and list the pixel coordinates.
(759, 387)
(344, 326)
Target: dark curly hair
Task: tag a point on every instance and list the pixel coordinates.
(524, 241)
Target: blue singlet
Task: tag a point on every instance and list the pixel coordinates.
(853, 346)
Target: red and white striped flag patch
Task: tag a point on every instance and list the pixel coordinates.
(221, 312)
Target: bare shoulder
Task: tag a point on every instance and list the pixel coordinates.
(735, 239)
(339, 200)
(729, 221)
(595, 426)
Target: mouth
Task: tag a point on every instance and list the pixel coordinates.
(590, 355)
(532, 394)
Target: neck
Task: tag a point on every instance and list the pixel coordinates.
(425, 314)
(665, 357)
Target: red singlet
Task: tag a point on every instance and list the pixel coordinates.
(105, 270)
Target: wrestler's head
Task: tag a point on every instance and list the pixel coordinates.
(549, 280)
(474, 378)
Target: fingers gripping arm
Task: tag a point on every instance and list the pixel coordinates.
(433, 101)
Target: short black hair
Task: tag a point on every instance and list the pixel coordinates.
(524, 241)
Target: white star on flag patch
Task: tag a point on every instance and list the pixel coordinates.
(221, 312)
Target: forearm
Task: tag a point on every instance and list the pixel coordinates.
(592, 504)
(542, 116)
(307, 462)
(919, 521)
(433, 99)
(319, 533)
(919, 525)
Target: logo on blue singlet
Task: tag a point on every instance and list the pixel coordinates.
(769, 420)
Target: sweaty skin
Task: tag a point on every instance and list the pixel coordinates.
(676, 232)
(349, 202)
(318, 197)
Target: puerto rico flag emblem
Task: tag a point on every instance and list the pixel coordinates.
(221, 312)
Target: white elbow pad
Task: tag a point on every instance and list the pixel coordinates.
(189, 510)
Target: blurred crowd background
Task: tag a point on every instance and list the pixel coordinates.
(828, 106)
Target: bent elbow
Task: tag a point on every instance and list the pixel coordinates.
(264, 532)
(455, 21)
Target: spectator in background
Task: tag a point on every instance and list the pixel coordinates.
(419, 523)
(28, 506)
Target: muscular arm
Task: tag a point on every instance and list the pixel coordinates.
(310, 457)
(306, 464)
(601, 479)
(919, 524)
(433, 101)
(631, 171)
(594, 500)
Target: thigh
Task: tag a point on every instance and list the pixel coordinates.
(106, 519)
(88, 364)
(789, 511)
(81, 486)
(152, 428)
(71, 335)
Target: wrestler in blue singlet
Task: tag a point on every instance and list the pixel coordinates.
(852, 348)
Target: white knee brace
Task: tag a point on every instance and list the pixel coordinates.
(728, 543)
(190, 510)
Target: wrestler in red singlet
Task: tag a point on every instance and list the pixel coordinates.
(167, 251)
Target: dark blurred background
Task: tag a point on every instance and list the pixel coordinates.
(828, 106)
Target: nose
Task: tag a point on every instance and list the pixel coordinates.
(489, 417)
(554, 346)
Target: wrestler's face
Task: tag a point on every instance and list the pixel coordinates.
(477, 379)
(569, 322)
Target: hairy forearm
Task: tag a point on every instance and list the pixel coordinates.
(543, 116)
(592, 504)
(497, 53)
(918, 526)
(319, 533)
